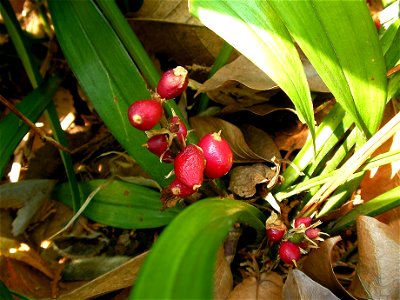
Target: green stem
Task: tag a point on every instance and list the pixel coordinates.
(374, 207)
(35, 78)
(139, 55)
(222, 58)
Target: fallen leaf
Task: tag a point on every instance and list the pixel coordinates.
(242, 152)
(91, 267)
(166, 28)
(22, 252)
(318, 266)
(244, 179)
(223, 279)
(379, 259)
(268, 287)
(260, 142)
(119, 278)
(299, 286)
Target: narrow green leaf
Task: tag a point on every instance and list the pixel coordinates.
(5, 294)
(12, 128)
(372, 208)
(106, 73)
(340, 40)
(189, 246)
(121, 204)
(254, 29)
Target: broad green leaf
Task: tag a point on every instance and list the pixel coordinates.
(254, 29)
(106, 73)
(13, 129)
(181, 263)
(340, 40)
(121, 204)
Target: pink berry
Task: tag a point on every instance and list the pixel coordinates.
(289, 252)
(179, 189)
(178, 127)
(158, 144)
(172, 83)
(189, 166)
(275, 235)
(302, 220)
(218, 154)
(145, 114)
(312, 233)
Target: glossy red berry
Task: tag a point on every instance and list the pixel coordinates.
(312, 233)
(145, 114)
(302, 220)
(189, 166)
(179, 128)
(167, 157)
(172, 83)
(157, 144)
(289, 252)
(218, 154)
(179, 189)
(275, 235)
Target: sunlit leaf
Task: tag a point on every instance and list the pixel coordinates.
(254, 29)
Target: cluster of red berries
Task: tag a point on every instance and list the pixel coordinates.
(211, 157)
(295, 241)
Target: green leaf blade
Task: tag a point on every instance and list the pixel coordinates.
(346, 54)
(190, 243)
(107, 75)
(121, 204)
(255, 30)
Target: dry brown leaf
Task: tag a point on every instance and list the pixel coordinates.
(241, 151)
(166, 28)
(299, 286)
(119, 278)
(260, 142)
(268, 287)
(223, 279)
(318, 266)
(258, 109)
(293, 139)
(23, 253)
(23, 279)
(379, 261)
(244, 179)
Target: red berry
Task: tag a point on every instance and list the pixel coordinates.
(289, 252)
(312, 233)
(275, 235)
(157, 144)
(189, 166)
(178, 127)
(179, 189)
(145, 114)
(218, 154)
(172, 83)
(168, 157)
(302, 220)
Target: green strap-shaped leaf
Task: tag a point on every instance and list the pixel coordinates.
(121, 204)
(254, 29)
(107, 74)
(13, 129)
(181, 263)
(340, 40)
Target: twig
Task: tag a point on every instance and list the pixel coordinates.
(37, 130)
(393, 70)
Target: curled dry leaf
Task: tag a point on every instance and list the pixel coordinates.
(299, 286)
(167, 28)
(318, 266)
(244, 179)
(223, 279)
(260, 142)
(379, 259)
(241, 150)
(268, 287)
